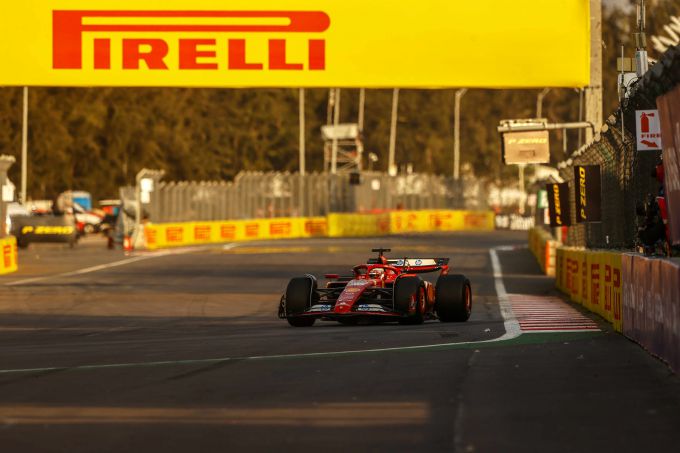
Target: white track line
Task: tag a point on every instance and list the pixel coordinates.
(512, 330)
(102, 267)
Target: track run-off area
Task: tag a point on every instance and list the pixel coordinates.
(182, 350)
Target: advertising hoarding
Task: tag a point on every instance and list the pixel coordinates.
(669, 112)
(302, 43)
(529, 147)
(558, 202)
(588, 193)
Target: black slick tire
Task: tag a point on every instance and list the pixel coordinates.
(405, 289)
(453, 298)
(299, 297)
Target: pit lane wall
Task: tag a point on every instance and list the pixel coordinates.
(651, 305)
(8, 260)
(639, 295)
(334, 225)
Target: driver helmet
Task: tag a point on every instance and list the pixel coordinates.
(377, 272)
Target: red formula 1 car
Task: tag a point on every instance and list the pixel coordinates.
(382, 289)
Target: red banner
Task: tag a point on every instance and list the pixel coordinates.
(669, 112)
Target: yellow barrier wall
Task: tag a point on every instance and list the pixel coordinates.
(544, 248)
(197, 233)
(9, 261)
(440, 220)
(593, 279)
(358, 225)
(165, 235)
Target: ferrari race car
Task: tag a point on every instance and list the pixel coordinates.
(382, 289)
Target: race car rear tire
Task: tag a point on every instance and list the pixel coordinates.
(405, 289)
(300, 295)
(453, 298)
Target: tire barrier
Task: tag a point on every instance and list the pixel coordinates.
(165, 235)
(8, 260)
(651, 305)
(543, 246)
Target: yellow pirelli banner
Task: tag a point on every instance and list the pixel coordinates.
(182, 234)
(313, 43)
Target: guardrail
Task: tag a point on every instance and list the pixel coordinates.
(334, 225)
(8, 260)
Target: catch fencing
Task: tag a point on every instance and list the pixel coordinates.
(628, 184)
(255, 195)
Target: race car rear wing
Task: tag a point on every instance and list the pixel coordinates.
(420, 265)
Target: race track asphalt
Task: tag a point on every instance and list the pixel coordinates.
(183, 352)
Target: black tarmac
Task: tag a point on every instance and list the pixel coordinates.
(182, 351)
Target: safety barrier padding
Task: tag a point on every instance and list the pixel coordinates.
(165, 235)
(358, 225)
(543, 246)
(592, 279)
(440, 220)
(639, 295)
(9, 261)
(651, 305)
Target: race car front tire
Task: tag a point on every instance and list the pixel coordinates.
(299, 297)
(406, 289)
(453, 298)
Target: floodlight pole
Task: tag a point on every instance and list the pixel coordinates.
(302, 131)
(301, 187)
(391, 165)
(336, 123)
(522, 192)
(24, 148)
(539, 102)
(362, 104)
(593, 101)
(456, 133)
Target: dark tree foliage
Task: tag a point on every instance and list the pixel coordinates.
(96, 139)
